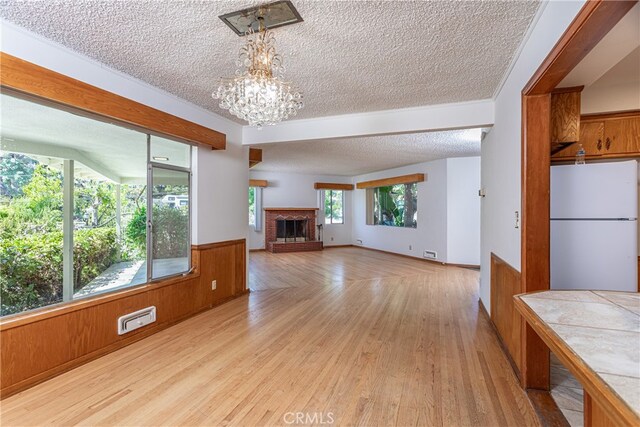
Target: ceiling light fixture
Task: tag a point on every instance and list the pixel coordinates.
(258, 94)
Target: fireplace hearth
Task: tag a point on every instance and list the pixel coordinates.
(291, 230)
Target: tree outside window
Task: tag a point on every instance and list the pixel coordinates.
(334, 207)
(396, 205)
(252, 206)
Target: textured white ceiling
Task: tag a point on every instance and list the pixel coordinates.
(348, 56)
(355, 156)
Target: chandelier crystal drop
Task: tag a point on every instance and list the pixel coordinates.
(258, 94)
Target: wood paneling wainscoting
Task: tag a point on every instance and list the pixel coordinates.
(41, 344)
(505, 283)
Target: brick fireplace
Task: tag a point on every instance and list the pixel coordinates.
(291, 230)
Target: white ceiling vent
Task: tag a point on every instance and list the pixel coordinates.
(137, 319)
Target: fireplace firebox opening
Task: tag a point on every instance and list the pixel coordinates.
(291, 230)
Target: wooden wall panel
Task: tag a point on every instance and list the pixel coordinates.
(44, 345)
(505, 283)
(30, 79)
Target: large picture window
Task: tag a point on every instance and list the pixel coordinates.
(78, 197)
(394, 205)
(333, 207)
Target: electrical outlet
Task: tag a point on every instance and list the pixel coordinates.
(410, 247)
(517, 219)
(332, 238)
(214, 285)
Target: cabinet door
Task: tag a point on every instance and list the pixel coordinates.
(591, 139)
(622, 136)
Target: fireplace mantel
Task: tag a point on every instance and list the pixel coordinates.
(291, 209)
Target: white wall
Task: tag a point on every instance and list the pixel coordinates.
(614, 97)
(296, 191)
(433, 213)
(463, 210)
(500, 167)
(220, 178)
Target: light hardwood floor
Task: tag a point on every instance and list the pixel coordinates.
(347, 334)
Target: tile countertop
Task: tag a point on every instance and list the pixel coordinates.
(602, 329)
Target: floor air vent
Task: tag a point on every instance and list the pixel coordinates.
(135, 320)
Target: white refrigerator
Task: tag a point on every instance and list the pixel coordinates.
(594, 227)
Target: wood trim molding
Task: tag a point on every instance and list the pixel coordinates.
(404, 179)
(214, 245)
(26, 78)
(258, 183)
(255, 156)
(593, 385)
(332, 186)
(535, 241)
(608, 116)
(571, 89)
(591, 24)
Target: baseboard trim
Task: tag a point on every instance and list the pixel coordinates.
(257, 250)
(434, 261)
(338, 246)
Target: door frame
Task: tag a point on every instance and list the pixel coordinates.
(591, 24)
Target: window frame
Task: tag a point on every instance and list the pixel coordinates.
(257, 203)
(149, 133)
(324, 201)
(374, 206)
(151, 165)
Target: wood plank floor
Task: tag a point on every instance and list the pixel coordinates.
(345, 335)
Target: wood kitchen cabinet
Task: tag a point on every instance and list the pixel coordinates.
(565, 115)
(605, 136)
(622, 136)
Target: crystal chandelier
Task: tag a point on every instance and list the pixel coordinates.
(258, 94)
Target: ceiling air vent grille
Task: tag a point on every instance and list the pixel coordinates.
(272, 15)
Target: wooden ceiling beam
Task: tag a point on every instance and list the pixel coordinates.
(23, 77)
(332, 186)
(258, 183)
(404, 179)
